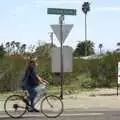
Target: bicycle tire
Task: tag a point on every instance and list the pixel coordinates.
(50, 102)
(16, 108)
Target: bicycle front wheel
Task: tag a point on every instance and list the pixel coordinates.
(51, 106)
(15, 106)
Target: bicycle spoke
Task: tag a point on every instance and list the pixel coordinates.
(51, 106)
(15, 106)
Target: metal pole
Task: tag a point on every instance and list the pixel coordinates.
(117, 88)
(51, 36)
(85, 35)
(61, 54)
(100, 50)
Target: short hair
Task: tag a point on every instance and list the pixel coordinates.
(31, 61)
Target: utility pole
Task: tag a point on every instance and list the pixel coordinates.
(51, 38)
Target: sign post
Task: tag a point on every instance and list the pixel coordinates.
(118, 82)
(61, 12)
(61, 18)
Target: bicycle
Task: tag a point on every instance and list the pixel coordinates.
(17, 105)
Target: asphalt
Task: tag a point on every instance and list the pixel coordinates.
(99, 98)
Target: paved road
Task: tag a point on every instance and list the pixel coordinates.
(76, 114)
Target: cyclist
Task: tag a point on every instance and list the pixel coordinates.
(31, 81)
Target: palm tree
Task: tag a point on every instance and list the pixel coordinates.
(17, 46)
(100, 47)
(86, 9)
(13, 46)
(2, 52)
(80, 50)
(23, 48)
(8, 47)
(118, 45)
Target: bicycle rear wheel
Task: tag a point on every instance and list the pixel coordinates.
(51, 106)
(15, 106)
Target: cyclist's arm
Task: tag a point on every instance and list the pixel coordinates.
(45, 81)
(42, 80)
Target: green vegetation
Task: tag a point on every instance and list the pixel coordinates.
(87, 74)
(10, 70)
(84, 46)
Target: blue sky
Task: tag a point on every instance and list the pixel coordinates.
(27, 21)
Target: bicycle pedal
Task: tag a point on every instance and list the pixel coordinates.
(26, 101)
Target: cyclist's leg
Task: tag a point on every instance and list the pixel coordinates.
(39, 92)
(32, 95)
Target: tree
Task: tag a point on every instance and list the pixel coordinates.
(17, 46)
(118, 45)
(2, 51)
(31, 51)
(86, 9)
(8, 47)
(22, 48)
(80, 50)
(13, 46)
(43, 50)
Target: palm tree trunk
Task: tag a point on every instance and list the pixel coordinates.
(100, 51)
(85, 35)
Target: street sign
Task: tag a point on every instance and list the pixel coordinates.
(57, 11)
(66, 28)
(67, 59)
(118, 72)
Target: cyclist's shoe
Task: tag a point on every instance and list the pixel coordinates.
(30, 109)
(26, 101)
(33, 110)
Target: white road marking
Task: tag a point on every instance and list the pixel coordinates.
(64, 114)
(83, 114)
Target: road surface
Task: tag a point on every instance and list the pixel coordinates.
(76, 114)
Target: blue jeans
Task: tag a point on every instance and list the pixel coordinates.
(35, 93)
(32, 95)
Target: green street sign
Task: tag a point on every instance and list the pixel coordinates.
(57, 11)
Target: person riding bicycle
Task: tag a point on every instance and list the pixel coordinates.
(31, 81)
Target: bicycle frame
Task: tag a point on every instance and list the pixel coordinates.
(26, 106)
(26, 95)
